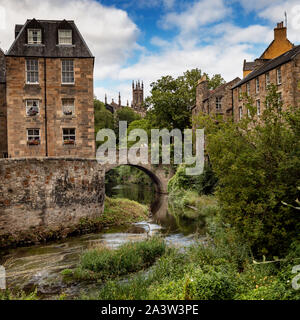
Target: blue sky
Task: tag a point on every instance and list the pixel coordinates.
(146, 39)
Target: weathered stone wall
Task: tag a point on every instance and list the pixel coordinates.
(40, 196)
(18, 121)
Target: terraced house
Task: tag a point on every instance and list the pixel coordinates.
(48, 109)
(279, 65)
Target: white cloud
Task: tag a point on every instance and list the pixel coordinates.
(109, 32)
(196, 15)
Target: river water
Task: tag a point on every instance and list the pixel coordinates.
(39, 266)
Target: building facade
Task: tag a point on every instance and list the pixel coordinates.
(3, 110)
(283, 71)
(214, 102)
(49, 91)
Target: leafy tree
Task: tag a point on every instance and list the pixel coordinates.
(171, 99)
(127, 114)
(103, 117)
(215, 81)
(257, 163)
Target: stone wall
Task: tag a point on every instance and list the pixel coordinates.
(43, 196)
(18, 121)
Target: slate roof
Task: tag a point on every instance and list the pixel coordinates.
(2, 66)
(272, 64)
(219, 90)
(49, 47)
(249, 66)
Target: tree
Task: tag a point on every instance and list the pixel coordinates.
(257, 163)
(215, 81)
(170, 100)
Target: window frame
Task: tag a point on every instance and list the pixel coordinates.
(257, 85)
(248, 88)
(218, 103)
(27, 107)
(68, 135)
(258, 107)
(64, 37)
(279, 76)
(64, 100)
(268, 79)
(29, 41)
(32, 71)
(33, 136)
(62, 71)
(240, 113)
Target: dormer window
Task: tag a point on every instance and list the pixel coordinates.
(65, 37)
(34, 36)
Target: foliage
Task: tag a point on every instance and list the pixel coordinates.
(215, 81)
(17, 295)
(203, 184)
(103, 263)
(257, 163)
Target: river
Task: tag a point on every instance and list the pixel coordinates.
(39, 266)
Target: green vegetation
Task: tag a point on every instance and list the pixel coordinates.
(221, 270)
(257, 164)
(102, 263)
(17, 295)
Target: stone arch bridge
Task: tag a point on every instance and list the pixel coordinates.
(42, 196)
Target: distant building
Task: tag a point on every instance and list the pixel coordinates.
(214, 102)
(280, 65)
(49, 92)
(137, 103)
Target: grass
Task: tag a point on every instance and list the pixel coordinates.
(17, 295)
(119, 211)
(222, 270)
(103, 263)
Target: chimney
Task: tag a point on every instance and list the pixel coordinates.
(280, 32)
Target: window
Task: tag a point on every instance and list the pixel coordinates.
(64, 36)
(248, 113)
(267, 79)
(240, 93)
(32, 71)
(32, 107)
(280, 98)
(248, 88)
(67, 71)
(33, 136)
(279, 77)
(34, 36)
(258, 107)
(68, 107)
(218, 103)
(69, 136)
(240, 113)
(257, 85)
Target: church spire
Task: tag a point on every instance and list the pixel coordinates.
(119, 99)
(105, 98)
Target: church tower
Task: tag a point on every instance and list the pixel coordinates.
(137, 95)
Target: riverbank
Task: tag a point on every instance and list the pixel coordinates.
(117, 212)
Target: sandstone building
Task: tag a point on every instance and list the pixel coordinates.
(279, 65)
(49, 92)
(216, 102)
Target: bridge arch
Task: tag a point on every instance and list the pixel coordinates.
(157, 175)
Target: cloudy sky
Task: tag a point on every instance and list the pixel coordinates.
(146, 39)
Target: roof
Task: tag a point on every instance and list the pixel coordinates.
(2, 66)
(219, 89)
(249, 66)
(49, 47)
(272, 64)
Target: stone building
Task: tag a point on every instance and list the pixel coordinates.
(280, 65)
(49, 92)
(216, 102)
(137, 103)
